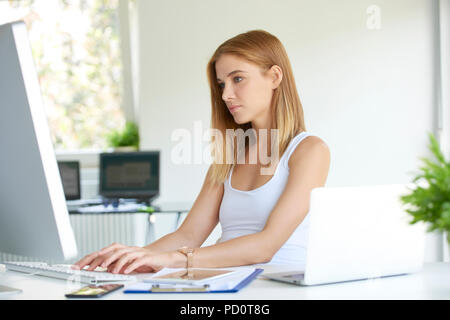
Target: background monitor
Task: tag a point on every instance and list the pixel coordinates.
(70, 177)
(129, 175)
(34, 221)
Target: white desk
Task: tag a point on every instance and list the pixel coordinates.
(433, 282)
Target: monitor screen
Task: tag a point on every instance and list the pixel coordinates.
(129, 174)
(70, 177)
(34, 220)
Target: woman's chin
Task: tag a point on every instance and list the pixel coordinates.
(240, 120)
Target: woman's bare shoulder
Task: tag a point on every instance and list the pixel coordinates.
(310, 147)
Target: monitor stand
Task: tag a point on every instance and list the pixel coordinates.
(146, 201)
(4, 291)
(115, 202)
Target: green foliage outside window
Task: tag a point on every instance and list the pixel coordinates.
(76, 48)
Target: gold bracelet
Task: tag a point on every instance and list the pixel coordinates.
(189, 253)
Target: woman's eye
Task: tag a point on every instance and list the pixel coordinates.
(235, 79)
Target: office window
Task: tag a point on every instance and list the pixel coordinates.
(76, 48)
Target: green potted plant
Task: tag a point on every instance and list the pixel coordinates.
(430, 200)
(126, 139)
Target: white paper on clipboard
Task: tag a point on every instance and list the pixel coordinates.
(237, 274)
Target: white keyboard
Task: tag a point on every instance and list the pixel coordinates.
(66, 272)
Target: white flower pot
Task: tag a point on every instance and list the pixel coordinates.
(125, 149)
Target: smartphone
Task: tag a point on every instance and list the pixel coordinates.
(94, 291)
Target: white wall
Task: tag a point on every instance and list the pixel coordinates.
(367, 92)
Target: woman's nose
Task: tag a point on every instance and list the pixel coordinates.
(227, 93)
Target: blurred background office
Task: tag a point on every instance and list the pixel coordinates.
(373, 78)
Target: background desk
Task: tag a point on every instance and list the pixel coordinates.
(433, 282)
(163, 207)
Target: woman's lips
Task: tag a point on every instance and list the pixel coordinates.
(234, 108)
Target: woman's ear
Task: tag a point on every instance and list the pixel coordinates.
(276, 74)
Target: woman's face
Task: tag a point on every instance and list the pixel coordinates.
(246, 91)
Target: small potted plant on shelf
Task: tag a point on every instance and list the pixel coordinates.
(430, 200)
(126, 139)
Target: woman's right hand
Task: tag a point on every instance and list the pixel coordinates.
(107, 256)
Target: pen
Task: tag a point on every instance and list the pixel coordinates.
(159, 288)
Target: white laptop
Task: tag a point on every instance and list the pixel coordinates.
(358, 233)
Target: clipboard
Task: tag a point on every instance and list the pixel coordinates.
(145, 287)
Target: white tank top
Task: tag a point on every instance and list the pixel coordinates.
(246, 212)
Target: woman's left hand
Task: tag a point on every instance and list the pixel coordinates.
(144, 261)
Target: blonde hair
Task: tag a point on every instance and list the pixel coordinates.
(265, 50)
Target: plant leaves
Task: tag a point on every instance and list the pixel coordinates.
(431, 204)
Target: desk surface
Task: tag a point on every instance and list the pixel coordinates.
(433, 282)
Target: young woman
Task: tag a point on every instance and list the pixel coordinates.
(263, 216)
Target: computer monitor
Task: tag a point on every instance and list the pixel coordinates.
(34, 221)
(130, 175)
(70, 177)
